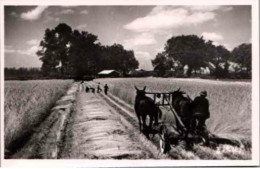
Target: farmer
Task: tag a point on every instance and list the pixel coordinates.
(98, 88)
(106, 89)
(201, 111)
(158, 101)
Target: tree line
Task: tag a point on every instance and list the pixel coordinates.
(71, 53)
(22, 73)
(194, 53)
(68, 53)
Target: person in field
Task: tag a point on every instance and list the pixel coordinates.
(87, 89)
(158, 101)
(201, 111)
(99, 88)
(106, 89)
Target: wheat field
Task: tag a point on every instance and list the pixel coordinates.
(26, 104)
(230, 102)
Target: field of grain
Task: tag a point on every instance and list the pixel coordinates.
(230, 102)
(26, 104)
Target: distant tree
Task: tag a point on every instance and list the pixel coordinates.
(118, 58)
(219, 57)
(243, 56)
(71, 52)
(84, 53)
(63, 34)
(161, 63)
(47, 53)
(22, 73)
(54, 49)
(187, 50)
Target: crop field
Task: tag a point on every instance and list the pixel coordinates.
(230, 102)
(26, 104)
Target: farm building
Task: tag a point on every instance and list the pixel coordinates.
(109, 73)
(141, 73)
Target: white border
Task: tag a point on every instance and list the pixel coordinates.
(147, 163)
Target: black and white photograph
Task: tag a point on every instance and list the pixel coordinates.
(130, 84)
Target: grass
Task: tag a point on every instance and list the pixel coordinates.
(27, 104)
(230, 102)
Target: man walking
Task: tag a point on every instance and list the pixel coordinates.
(98, 88)
(106, 89)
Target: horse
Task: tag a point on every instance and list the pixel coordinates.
(184, 108)
(145, 106)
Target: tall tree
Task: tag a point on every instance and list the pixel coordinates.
(47, 53)
(187, 50)
(243, 56)
(84, 53)
(116, 57)
(54, 51)
(80, 53)
(161, 63)
(63, 35)
(219, 57)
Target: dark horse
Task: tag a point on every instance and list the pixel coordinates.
(184, 108)
(145, 106)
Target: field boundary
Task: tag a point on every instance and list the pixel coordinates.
(47, 139)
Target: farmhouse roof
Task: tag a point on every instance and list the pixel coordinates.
(139, 69)
(106, 72)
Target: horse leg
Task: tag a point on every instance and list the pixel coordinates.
(189, 142)
(145, 131)
(151, 122)
(140, 124)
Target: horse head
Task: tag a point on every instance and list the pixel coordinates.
(140, 92)
(177, 93)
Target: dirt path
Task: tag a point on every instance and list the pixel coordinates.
(97, 131)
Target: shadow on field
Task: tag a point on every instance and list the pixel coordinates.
(21, 140)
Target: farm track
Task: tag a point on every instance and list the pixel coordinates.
(98, 131)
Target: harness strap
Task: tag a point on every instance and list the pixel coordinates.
(177, 116)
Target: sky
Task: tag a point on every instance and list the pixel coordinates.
(143, 29)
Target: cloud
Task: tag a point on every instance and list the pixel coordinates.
(34, 14)
(140, 40)
(144, 59)
(33, 42)
(210, 8)
(212, 36)
(66, 11)
(228, 47)
(226, 9)
(14, 14)
(9, 49)
(82, 26)
(159, 50)
(49, 18)
(204, 8)
(165, 17)
(30, 51)
(66, 6)
(84, 12)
